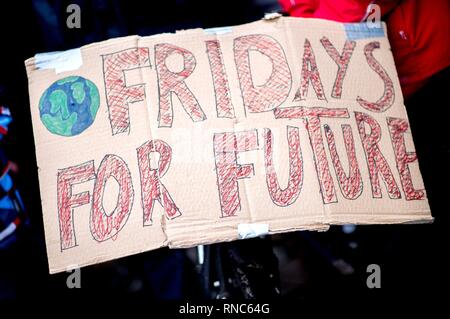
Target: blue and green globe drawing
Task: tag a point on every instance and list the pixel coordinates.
(69, 105)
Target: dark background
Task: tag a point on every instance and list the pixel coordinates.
(312, 266)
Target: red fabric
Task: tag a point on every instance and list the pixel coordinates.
(17, 221)
(418, 31)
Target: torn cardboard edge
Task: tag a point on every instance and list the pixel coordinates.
(63, 61)
(201, 230)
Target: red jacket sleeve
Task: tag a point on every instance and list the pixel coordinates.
(336, 10)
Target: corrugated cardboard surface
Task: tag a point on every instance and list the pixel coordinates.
(191, 179)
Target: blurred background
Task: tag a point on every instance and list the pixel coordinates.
(300, 265)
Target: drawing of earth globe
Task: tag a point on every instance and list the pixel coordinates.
(68, 106)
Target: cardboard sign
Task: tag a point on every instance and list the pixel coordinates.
(205, 136)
